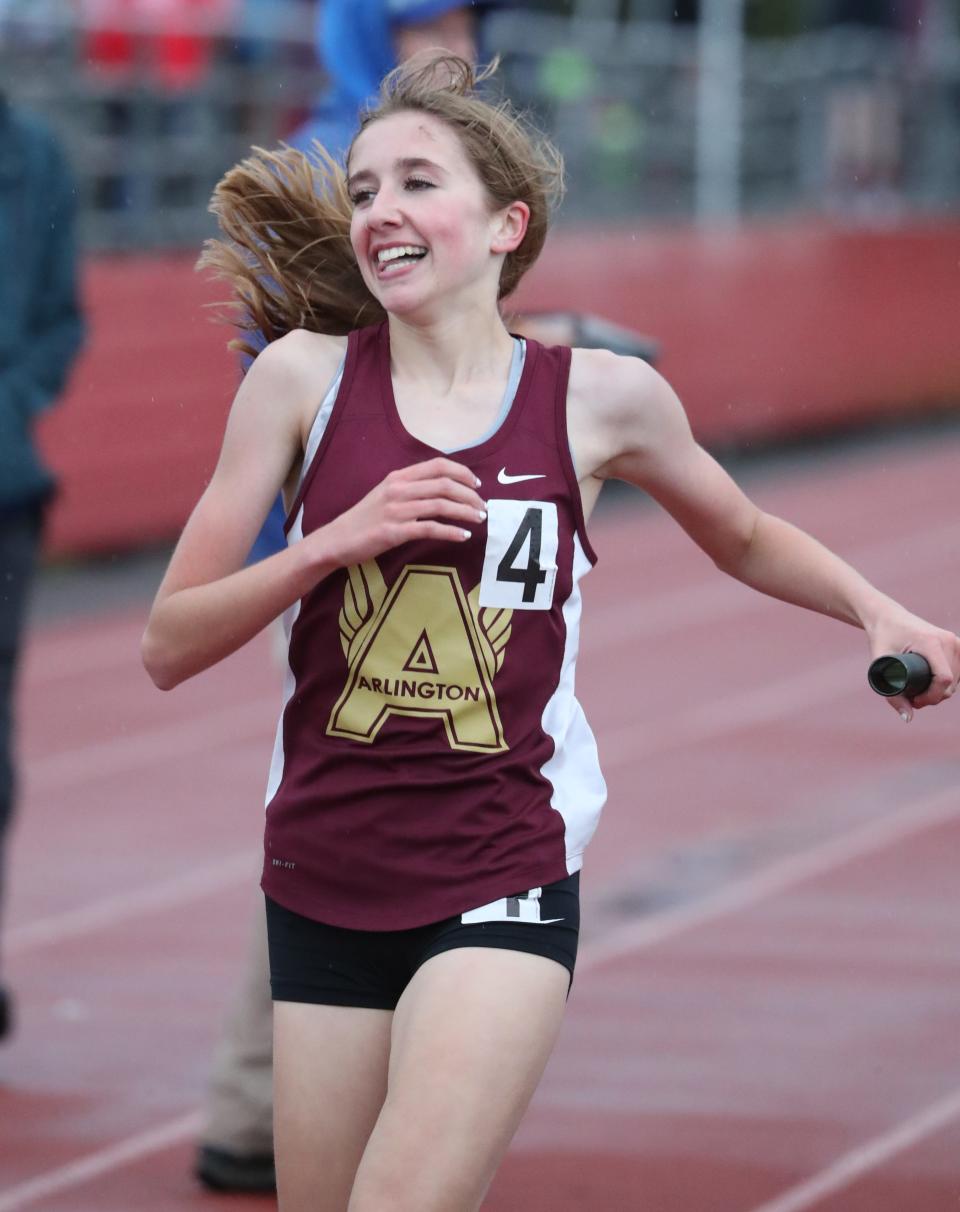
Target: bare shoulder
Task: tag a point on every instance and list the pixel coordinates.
(300, 359)
(616, 405)
(289, 378)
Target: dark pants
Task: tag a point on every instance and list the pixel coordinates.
(19, 540)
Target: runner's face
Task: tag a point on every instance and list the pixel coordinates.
(422, 227)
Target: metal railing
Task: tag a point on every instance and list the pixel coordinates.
(863, 124)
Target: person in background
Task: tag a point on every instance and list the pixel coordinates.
(358, 42)
(149, 60)
(866, 119)
(40, 335)
(172, 40)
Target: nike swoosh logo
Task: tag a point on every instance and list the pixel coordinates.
(503, 478)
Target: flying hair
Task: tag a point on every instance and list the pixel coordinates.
(285, 215)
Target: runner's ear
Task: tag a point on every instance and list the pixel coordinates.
(510, 226)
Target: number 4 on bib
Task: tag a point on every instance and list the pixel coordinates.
(520, 561)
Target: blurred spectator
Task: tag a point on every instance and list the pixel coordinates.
(359, 41)
(35, 23)
(136, 48)
(40, 335)
(170, 40)
(864, 119)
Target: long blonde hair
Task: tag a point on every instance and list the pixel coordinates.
(285, 215)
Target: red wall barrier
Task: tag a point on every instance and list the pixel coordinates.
(766, 331)
(137, 434)
(772, 331)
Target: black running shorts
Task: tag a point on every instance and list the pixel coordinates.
(314, 962)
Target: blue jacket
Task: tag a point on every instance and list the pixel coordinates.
(355, 47)
(40, 325)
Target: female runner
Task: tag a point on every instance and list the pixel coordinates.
(434, 782)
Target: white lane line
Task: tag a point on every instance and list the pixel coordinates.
(621, 747)
(96, 645)
(114, 646)
(59, 771)
(727, 713)
(103, 1161)
(74, 923)
(660, 615)
(153, 746)
(926, 813)
(845, 1170)
(717, 597)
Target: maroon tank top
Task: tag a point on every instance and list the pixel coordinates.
(430, 755)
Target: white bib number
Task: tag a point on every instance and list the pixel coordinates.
(520, 561)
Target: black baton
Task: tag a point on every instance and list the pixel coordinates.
(904, 673)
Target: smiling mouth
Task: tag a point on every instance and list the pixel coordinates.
(389, 260)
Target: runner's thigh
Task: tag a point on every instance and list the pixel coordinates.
(329, 1077)
(471, 1036)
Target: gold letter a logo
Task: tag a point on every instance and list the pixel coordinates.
(422, 649)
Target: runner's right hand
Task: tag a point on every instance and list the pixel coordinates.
(436, 499)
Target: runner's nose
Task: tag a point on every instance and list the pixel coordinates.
(384, 211)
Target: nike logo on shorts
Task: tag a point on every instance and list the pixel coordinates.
(503, 478)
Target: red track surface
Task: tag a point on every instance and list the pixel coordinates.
(766, 1013)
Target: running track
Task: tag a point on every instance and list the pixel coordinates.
(767, 1009)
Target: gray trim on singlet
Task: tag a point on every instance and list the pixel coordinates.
(513, 382)
(319, 426)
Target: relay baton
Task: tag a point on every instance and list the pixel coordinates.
(904, 673)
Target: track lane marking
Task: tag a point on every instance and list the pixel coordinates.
(718, 597)
(728, 713)
(929, 811)
(181, 890)
(868, 1156)
(621, 748)
(186, 1126)
(662, 615)
(678, 609)
(937, 808)
(103, 1161)
(62, 655)
(153, 746)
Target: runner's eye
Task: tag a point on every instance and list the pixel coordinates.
(359, 196)
(416, 183)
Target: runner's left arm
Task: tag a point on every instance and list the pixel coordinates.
(654, 448)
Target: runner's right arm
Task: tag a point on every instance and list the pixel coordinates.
(208, 604)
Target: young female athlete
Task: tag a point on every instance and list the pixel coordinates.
(434, 781)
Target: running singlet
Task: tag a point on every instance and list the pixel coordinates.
(431, 755)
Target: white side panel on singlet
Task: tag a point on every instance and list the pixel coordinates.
(294, 535)
(289, 681)
(319, 426)
(579, 791)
